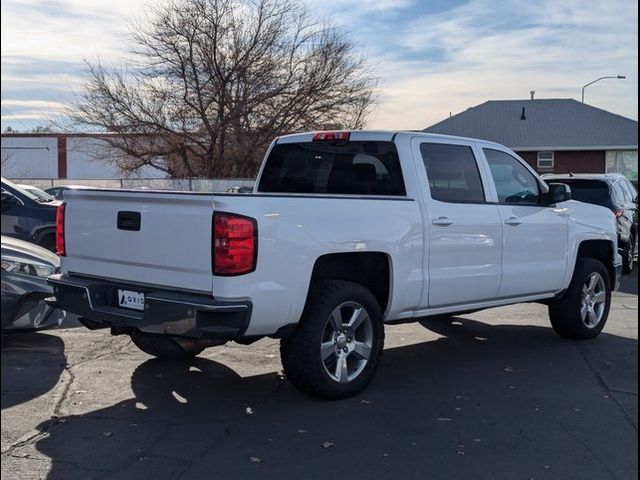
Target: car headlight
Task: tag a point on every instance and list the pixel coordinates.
(34, 269)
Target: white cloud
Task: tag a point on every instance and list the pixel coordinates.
(430, 64)
(494, 50)
(32, 104)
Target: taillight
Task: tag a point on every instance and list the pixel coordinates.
(60, 246)
(331, 136)
(618, 213)
(235, 244)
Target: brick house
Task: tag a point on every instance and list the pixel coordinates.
(553, 135)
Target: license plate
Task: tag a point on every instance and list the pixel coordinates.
(131, 299)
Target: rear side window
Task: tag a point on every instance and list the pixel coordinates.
(341, 168)
(453, 173)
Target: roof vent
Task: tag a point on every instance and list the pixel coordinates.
(523, 116)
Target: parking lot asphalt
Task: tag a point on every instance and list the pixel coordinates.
(492, 395)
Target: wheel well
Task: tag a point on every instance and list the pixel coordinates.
(46, 237)
(601, 250)
(369, 269)
(43, 232)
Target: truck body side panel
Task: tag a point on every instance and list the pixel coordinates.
(294, 231)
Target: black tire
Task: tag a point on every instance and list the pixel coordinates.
(301, 352)
(628, 255)
(565, 313)
(163, 347)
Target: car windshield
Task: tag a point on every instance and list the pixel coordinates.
(23, 191)
(588, 191)
(41, 194)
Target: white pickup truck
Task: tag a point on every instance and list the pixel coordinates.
(345, 231)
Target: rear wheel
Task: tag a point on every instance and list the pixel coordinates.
(335, 350)
(628, 255)
(164, 347)
(583, 310)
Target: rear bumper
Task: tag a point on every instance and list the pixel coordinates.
(165, 312)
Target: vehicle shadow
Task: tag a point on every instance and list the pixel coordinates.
(31, 366)
(629, 283)
(480, 402)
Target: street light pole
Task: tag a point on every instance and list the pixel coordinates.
(618, 77)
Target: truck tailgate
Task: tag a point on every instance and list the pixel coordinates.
(155, 238)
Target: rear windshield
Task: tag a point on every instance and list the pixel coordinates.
(589, 191)
(344, 168)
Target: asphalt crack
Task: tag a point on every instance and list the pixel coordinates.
(54, 420)
(588, 447)
(608, 390)
(59, 400)
(274, 392)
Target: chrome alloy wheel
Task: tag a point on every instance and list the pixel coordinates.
(594, 299)
(347, 342)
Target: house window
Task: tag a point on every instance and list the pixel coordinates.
(545, 161)
(623, 161)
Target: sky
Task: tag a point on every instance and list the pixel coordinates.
(433, 58)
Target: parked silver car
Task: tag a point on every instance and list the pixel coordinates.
(25, 268)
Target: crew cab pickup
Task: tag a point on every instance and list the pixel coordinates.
(344, 232)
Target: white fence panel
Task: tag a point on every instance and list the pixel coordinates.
(217, 185)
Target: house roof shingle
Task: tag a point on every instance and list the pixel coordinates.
(553, 124)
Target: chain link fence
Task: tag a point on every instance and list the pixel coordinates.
(183, 184)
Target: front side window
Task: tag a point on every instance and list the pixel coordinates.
(514, 182)
(453, 173)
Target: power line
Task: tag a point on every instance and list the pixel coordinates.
(26, 148)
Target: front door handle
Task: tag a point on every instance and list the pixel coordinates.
(442, 222)
(514, 221)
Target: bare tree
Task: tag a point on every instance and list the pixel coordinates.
(210, 82)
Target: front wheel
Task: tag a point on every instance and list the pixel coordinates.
(583, 310)
(336, 348)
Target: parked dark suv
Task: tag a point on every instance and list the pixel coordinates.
(28, 217)
(615, 192)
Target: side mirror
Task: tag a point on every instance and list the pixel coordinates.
(558, 193)
(9, 199)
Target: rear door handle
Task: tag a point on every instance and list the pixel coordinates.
(442, 222)
(514, 221)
